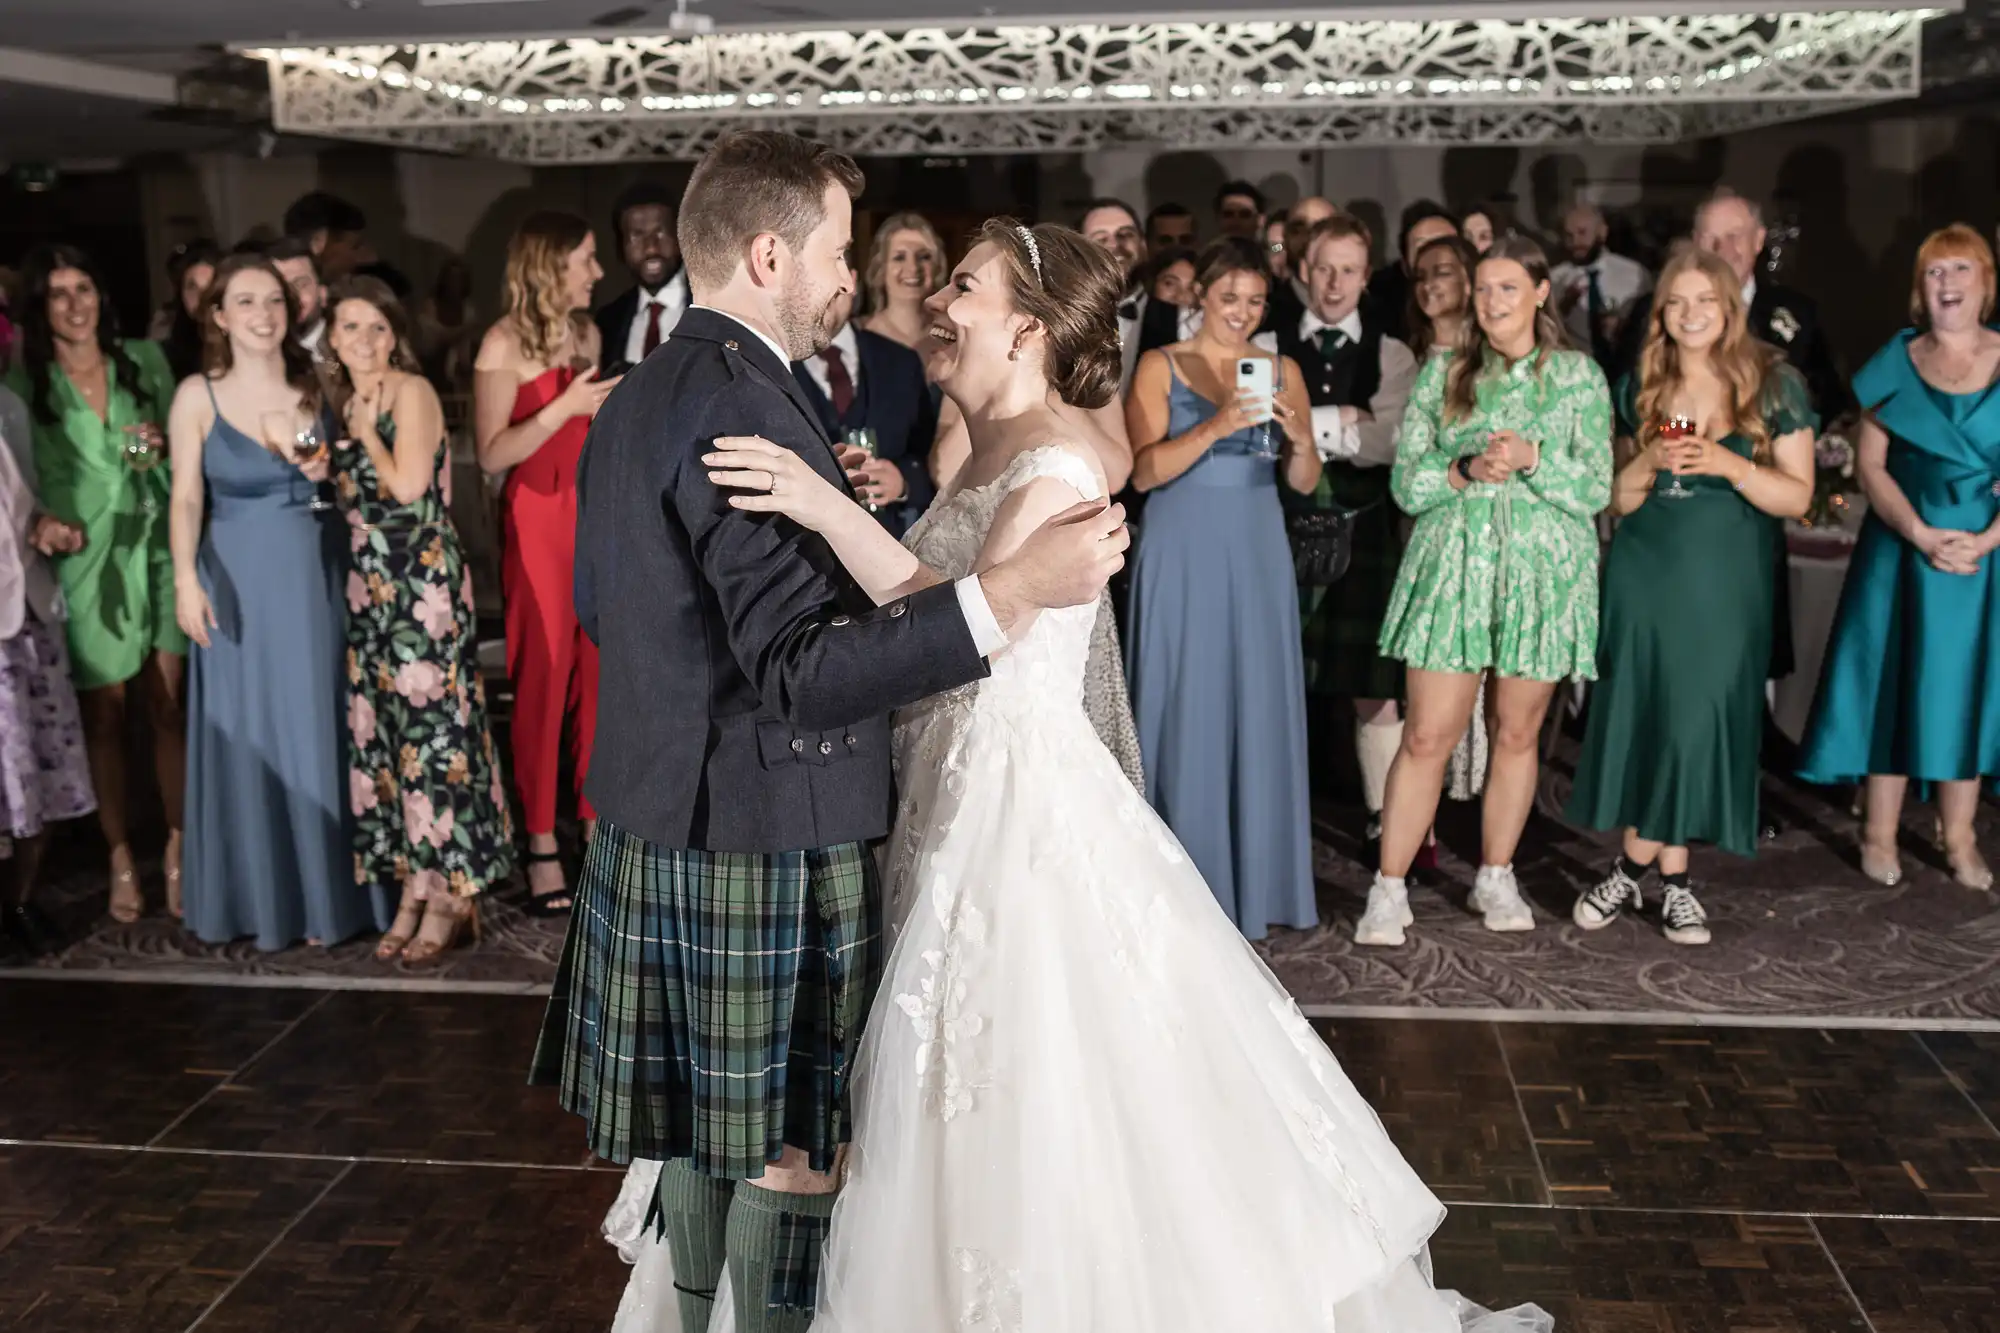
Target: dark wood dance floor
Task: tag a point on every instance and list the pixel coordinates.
(177, 1157)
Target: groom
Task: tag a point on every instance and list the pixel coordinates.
(727, 938)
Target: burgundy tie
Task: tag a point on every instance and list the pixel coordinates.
(838, 380)
(652, 329)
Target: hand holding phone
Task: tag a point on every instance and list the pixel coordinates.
(1254, 378)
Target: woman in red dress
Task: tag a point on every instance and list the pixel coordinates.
(535, 390)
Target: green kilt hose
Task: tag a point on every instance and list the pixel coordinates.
(1342, 622)
(709, 1004)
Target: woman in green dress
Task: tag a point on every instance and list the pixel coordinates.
(1721, 433)
(99, 405)
(431, 825)
(1504, 461)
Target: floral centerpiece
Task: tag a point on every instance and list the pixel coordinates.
(1836, 506)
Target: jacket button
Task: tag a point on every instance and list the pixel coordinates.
(826, 747)
(898, 608)
(731, 345)
(849, 740)
(841, 622)
(798, 746)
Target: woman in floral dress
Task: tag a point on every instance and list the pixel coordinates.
(1504, 461)
(431, 819)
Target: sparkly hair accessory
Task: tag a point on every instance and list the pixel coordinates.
(1034, 250)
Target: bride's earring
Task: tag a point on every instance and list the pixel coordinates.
(1015, 354)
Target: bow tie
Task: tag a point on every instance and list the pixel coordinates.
(1128, 311)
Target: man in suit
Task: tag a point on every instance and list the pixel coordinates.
(863, 381)
(1170, 226)
(1389, 290)
(1289, 293)
(1239, 210)
(293, 258)
(1143, 323)
(638, 320)
(1358, 380)
(728, 937)
(1596, 291)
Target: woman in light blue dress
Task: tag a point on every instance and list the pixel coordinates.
(1218, 680)
(1911, 683)
(268, 850)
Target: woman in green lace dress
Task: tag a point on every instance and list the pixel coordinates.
(431, 821)
(1723, 445)
(1504, 461)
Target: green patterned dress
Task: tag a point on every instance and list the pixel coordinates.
(1503, 577)
(423, 776)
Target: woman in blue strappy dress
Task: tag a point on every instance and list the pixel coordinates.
(1218, 681)
(255, 575)
(1911, 682)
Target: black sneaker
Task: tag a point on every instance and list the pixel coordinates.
(1681, 919)
(1598, 907)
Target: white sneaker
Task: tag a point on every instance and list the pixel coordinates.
(1387, 913)
(1497, 897)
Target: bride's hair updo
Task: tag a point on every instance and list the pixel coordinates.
(1072, 289)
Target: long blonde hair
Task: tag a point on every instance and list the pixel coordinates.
(1743, 363)
(537, 302)
(876, 281)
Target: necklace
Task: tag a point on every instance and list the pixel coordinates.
(1950, 374)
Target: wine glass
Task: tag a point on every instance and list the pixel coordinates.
(1673, 428)
(144, 447)
(863, 438)
(298, 437)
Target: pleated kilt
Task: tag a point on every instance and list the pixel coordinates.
(1341, 623)
(709, 1004)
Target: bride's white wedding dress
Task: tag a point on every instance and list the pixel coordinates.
(1083, 1104)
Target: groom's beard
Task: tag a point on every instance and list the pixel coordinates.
(806, 323)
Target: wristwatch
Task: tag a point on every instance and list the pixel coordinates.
(1464, 467)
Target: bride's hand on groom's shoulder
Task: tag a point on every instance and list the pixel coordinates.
(774, 480)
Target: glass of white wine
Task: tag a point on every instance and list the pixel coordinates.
(863, 438)
(144, 448)
(298, 437)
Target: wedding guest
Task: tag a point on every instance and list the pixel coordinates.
(1440, 295)
(866, 386)
(445, 327)
(635, 322)
(431, 826)
(1274, 248)
(1218, 687)
(98, 403)
(1504, 461)
(44, 772)
(1358, 381)
(189, 270)
(293, 258)
(1144, 320)
(1239, 210)
(1478, 230)
(1718, 434)
(1113, 227)
(1168, 277)
(1910, 689)
(257, 589)
(1389, 290)
(535, 390)
(1290, 294)
(333, 232)
(905, 265)
(1596, 291)
(1170, 225)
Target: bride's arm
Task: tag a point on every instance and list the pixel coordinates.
(777, 481)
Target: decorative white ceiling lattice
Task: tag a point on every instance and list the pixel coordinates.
(1031, 89)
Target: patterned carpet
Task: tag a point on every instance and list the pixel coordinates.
(1798, 934)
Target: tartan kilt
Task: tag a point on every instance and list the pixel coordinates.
(709, 1005)
(1342, 622)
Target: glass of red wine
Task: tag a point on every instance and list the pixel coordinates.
(1674, 428)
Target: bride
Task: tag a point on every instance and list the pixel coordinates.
(1082, 1105)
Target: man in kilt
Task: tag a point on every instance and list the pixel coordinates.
(1359, 381)
(727, 938)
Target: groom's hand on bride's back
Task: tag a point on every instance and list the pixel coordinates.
(1064, 562)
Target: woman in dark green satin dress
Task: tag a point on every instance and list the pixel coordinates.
(1676, 717)
(1911, 683)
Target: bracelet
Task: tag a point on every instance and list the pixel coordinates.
(1739, 485)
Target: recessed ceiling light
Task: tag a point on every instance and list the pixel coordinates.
(453, 4)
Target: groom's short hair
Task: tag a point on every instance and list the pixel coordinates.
(752, 182)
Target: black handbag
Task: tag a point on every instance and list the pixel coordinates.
(1322, 544)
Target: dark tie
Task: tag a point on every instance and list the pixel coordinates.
(1599, 349)
(839, 381)
(1129, 311)
(653, 310)
(1330, 342)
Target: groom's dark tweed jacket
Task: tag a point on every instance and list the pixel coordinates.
(745, 679)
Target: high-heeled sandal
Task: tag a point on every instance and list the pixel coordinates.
(128, 906)
(1885, 868)
(1969, 869)
(396, 939)
(555, 903)
(423, 952)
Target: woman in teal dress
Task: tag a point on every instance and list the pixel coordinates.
(1504, 460)
(1911, 682)
(99, 404)
(1676, 718)
(431, 826)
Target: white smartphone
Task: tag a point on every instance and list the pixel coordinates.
(1254, 376)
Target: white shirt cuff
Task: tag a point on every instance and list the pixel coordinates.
(1333, 439)
(987, 638)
